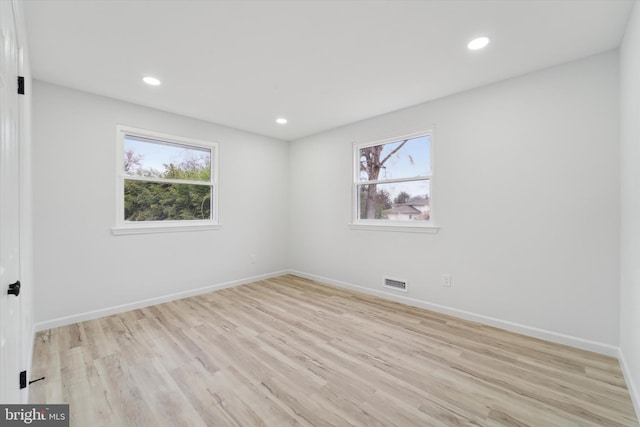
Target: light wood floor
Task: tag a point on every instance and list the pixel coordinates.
(289, 351)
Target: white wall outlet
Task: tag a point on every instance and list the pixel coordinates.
(446, 280)
(253, 259)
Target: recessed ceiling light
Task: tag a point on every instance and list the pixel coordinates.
(478, 43)
(281, 121)
(151, 81)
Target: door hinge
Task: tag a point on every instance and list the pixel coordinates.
(23, 379)
(20, 85)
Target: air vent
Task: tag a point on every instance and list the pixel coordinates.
(400, 285)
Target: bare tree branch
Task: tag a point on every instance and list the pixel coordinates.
(393, 152)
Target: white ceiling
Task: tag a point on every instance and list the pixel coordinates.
(321, 64)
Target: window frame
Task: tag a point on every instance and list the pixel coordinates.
(143, 227)
(356, 223)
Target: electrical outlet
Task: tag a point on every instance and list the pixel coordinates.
(446, 280)
(252, 258)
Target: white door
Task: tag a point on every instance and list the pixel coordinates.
(10, 316)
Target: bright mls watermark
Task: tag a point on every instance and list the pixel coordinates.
(34, 415)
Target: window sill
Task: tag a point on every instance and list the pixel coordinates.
(398, 227)
(157, 228)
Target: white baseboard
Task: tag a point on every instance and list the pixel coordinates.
(531, 331)
(96, 314)
(631, 385)
(556, 337)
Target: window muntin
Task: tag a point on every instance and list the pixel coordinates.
(165, 181)
(392, 181)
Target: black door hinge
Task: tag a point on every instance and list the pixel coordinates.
(23, 380)
(20, 85)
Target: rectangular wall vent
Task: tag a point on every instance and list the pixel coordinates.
(400, 285)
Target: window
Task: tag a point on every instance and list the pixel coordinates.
(165, 183)
(392, 187)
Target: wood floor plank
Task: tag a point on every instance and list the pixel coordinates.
(289, 351)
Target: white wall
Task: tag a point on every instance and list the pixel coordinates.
(80, 267)
(526, 194)
(630, 202)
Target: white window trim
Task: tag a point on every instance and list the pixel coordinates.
(123, 227)
(386, 225)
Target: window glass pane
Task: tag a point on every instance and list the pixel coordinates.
(143, 157)
(398, 201)
(153, 201)
(402, 159)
